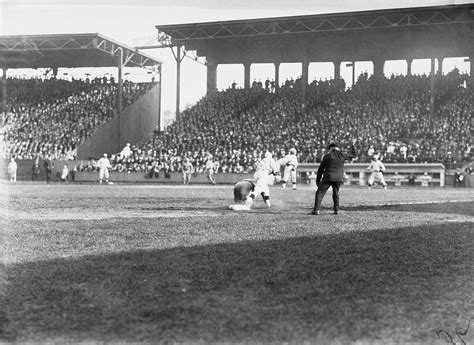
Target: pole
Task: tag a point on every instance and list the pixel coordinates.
(432, 90)
(119, 96)
(277, 75)
(160, 122)
(353, 72)
(4, 89)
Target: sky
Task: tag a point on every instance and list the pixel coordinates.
(133, 23)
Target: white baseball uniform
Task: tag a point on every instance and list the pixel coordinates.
(103, 164)
(291, 163)
(377, 168)
(265, 168)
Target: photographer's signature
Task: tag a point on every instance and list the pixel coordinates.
(458, 332)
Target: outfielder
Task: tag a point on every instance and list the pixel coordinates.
(377, 168)
(188, 169)
(265, 168)
(210, 166)
(104, 164)
(12, 169)
(243, 195)
(291, 163)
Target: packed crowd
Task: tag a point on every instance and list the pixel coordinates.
(51, 117)
(389, 117)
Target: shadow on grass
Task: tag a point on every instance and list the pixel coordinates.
(397, 285)
(462, 208)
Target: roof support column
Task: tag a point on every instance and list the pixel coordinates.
(409, 62)
(277, 75)
(160, 119)
(304, 83)
(378, 67)
(247, 75)
(178, 58)
(119, 94)
(178, 83)
(337, 69)
(432, 88)
(440, 65)
(471, 62)
(4, 89)
(211, 76)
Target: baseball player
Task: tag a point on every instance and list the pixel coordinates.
(12, 169)
(210, 166)
(188, 170)
(290, 162)
(243, 195)
(266, 168)
(104, 165)
(377, 168)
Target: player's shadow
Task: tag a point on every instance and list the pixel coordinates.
(393, 285)
(462, 208)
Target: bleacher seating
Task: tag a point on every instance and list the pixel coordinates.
(388, 116)
(51, 117)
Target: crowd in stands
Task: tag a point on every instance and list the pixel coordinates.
(391, 117)
(51, 117)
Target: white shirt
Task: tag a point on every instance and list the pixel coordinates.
(267, 164)
(12, 167)
(290, 159)
(126, 151)
(103, 163)
(376, 166)
(210, 165)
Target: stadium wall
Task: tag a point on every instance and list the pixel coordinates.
(134, 124)
(25, 169)
(357, 174)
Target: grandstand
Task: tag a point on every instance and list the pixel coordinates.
(53, 117)
(413, 119)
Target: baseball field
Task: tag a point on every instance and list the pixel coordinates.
(90, 263)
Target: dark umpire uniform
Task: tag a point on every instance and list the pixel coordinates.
(331, 174)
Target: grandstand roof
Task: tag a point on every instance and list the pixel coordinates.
(325, 36)
(68, 51)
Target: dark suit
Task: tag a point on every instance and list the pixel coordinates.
(48, 166)
(331, 174)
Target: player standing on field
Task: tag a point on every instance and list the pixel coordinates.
(104, 164)
(291, 163)
(377, 168)
(12, 169)
(188, 170)
(265, 168)
(210, 166)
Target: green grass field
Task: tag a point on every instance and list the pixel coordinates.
(162, 264)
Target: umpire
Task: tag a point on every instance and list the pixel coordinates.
(330, 174)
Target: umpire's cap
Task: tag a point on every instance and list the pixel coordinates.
(333, 144)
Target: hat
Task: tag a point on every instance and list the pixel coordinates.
(268, 155)
(293, 150)
(332, 144)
